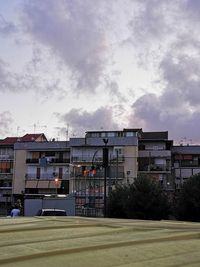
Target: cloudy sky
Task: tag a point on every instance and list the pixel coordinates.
(67, 67)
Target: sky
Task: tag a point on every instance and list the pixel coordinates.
(67, 67)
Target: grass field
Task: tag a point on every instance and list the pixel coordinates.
(91, 242)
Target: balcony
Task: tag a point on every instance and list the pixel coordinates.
(154, 154)
(157, 168)
(80, 159)
(43, 161)
(45, 176)
(32, 161)
(57, 160)
(6, 171)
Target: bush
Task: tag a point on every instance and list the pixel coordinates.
(188, 204)
(144, 199)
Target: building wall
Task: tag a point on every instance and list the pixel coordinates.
(19, 171)
(130, 163)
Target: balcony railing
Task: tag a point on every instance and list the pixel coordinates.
(45, 176)
(48, 161)
(154, 153)
(96, 159)
(155, 168)
(32, 161)
(6, 171)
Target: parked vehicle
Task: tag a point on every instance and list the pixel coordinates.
(51, 212)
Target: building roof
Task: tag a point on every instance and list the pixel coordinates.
(188, 149)
(26, 138)
(155, 135)
(8, 141)
(32, 137)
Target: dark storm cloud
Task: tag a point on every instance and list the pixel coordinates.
(170, 28)
(177, 109)
(179, 121)
(71, 29)
(5, 123)
(182, 77)
(80, 120)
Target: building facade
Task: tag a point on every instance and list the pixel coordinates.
(89, 183)
(154, 157)
(7, 167)
(41, 168)
(32, 166)
(186, 162)
(6, 173)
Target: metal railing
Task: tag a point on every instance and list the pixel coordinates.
(48, 161)
(155, 168)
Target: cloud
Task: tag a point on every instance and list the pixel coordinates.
(79, 121)
(177, 108)
(7, 78)
(6, 27)
(73, 31)
(167, 37)
(5, 123)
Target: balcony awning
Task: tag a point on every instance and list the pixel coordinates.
(53, 184)
(31, 184)
(43, 184)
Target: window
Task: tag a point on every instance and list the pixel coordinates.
(111, 134)
(38, 173)
(118, 151)
(129, 134)
(103, 134)
(50, 154)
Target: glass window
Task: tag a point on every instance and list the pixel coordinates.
(111, 134)
(128, 134)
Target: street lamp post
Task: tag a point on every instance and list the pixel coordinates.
(56, 183)
(105, 165)
(73, 183)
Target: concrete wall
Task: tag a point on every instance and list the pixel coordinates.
(130, 164)
(31, 206)
(19, 171)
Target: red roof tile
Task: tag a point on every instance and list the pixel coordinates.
(31, 137)
(8, 141)
(25, 138)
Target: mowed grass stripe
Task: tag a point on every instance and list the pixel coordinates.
(47, 228)
(106, 232)
(98, 247)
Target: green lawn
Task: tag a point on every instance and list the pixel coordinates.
(91, 242)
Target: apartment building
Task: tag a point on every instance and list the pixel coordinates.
(186, 162)
(6, 173)
(154, 157)
(33, 166)
(7, 167)
(87, 159)
(41, 168)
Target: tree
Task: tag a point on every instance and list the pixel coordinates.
(117, 202)
(144, 199)
(188, 204)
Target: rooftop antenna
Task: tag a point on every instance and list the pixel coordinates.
(67, 132)
(18, 130)
(37, 125)
(34, 127)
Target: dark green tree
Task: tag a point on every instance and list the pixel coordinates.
(117, 202)
(188, 204)
(147, 200)
(144, 199)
